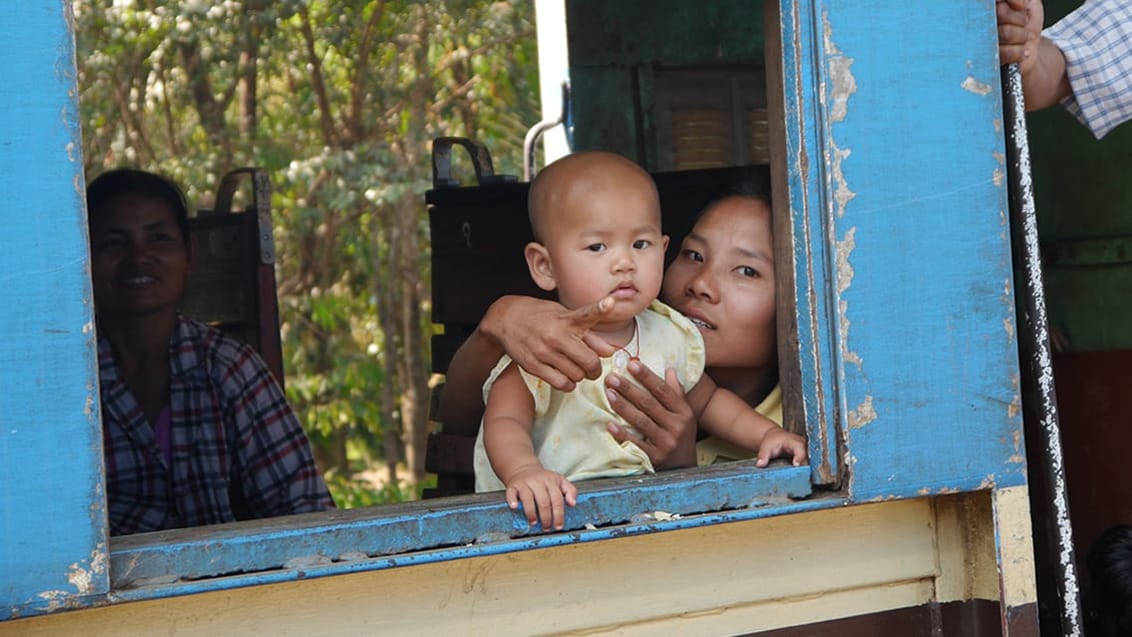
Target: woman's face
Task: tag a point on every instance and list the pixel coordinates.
(723, 280)
(139, 259)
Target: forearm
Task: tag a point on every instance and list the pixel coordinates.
(461, 402)
(1047, 83)
(728, 417)
(509, 448)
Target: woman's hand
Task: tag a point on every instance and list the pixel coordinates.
(547, 340)
(660, 414)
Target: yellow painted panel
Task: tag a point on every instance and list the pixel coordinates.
(966, 547)
(1016, 546)
(729, 578)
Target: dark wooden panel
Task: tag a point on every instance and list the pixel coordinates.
(1095, 404)
(231, 287)
(972, 618)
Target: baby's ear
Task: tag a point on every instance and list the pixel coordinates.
(538, 262)
(664, 243)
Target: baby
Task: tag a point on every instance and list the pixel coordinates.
(596, 222)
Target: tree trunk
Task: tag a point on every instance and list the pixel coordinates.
(414, 380)
(386, 314)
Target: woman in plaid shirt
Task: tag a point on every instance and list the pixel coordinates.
(195, 428)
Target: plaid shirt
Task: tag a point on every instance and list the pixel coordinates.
(1097, 42)
(239, 452)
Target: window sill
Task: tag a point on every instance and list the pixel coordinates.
(187, 561)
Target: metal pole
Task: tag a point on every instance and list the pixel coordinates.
(1039, 401)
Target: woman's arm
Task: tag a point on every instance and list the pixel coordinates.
(543, 337)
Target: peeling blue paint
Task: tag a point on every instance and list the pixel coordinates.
(53, 541)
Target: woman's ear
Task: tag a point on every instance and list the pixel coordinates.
(538, 262)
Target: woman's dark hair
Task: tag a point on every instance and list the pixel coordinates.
(750, 181)
(1110, 574)
(131, 181)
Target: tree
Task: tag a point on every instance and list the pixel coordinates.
(339, 100)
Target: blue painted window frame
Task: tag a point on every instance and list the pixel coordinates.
(54, 549)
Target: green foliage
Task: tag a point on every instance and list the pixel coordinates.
(350, 493)
(339, 100)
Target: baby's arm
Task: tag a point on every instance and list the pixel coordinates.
(723, 414)
(507, 422)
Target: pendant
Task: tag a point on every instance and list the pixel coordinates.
(620, 359)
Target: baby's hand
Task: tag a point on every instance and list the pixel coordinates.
(542, 492)
(779, 443)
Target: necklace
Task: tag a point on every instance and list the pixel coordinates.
(622, 356)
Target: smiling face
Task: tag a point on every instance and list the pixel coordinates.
(598, 221)
(723, 279)
(139, 256)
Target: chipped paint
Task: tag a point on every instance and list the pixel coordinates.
(844, 273)
(1015, 406)
(839, 86)
(998, 177)
(81, 579)
(844, 85)
(1019, 455)
(842, 195)
(975, 86)
(863, 414)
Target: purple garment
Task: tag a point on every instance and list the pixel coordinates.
(162, 432)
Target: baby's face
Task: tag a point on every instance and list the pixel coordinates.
(608, 243)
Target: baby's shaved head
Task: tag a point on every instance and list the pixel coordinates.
(575, 180)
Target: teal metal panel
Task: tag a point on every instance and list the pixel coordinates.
(914, 177)
(674, 32)
(53, 529)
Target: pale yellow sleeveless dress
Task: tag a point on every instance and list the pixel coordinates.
(569, 433)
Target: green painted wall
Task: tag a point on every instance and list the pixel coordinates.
(1083, 195)
(615, 47)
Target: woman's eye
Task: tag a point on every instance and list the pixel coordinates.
(747, 271)
(596, 247)
(641, 244)
(109, 243)
(688, 253)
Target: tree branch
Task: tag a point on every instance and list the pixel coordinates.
(317, 83)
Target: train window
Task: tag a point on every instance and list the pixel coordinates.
(443, 529)
(87, 565)
(711, 118)
(835, 264)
